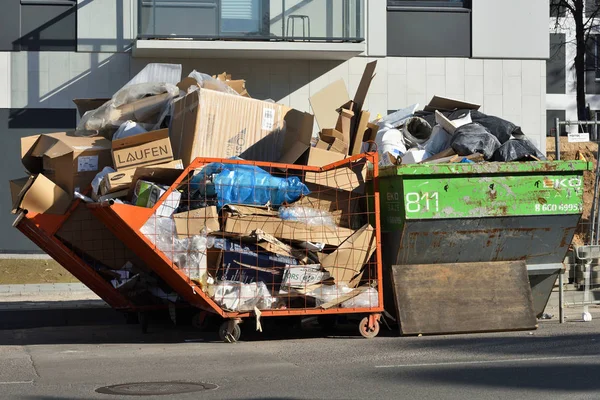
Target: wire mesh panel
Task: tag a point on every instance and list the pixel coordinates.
(277, 239)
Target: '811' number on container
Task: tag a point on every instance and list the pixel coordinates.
(417, 202)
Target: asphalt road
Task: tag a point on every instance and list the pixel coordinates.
(555, 361)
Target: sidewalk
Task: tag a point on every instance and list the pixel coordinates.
(48, 296)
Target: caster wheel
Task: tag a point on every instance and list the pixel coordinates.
(364, 330)
(230, 333)
(143, 318)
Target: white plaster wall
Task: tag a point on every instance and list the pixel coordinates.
(106, 25)
(5, 80)
(510, 29)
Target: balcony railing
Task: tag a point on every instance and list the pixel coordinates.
(255, 20)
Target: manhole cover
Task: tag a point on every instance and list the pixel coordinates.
(155, 388)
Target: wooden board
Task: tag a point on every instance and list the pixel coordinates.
(463, 297)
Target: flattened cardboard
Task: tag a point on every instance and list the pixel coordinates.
(207, 123)
(68, 160)
(360, 132)
(41, 195)
(339, 146)
(141, 150)
(329, 135)
(448, 104)
(322, 145)
(326, 102)
(192, 223)
(347, 261)
(335, 202)
(286, 230)
(343, 178)
(319, 158)
(363, 86)
(301, 276)
(445, 123)
(344, 124)
(121, 180)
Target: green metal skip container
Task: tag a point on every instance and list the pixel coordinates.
(490, 212)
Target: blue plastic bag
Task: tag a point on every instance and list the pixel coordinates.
(249, 184)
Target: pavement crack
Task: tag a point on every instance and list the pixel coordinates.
(35, 370)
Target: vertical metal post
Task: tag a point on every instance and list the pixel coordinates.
(283, 19)
(557, 138)
(154, 17)
(595, 126)
(586, 293)
(561, 297)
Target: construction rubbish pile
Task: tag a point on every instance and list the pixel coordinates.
(249, 236)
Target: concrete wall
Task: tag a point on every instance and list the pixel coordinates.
(106, 25)
(510, 29)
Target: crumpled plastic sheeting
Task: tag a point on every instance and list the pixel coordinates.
(236, 296)
(326, 293)
(110, 115)
(189, 254)
(517, 150)
(208, 82)
(474, 138)
(308, 215)
(367, 299)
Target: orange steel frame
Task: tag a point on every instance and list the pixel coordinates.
(41, 230)
(125, 221)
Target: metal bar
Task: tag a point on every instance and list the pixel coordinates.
(283, 18)
(595, 205)
(557, 138)
(561, 297)
(568, 123)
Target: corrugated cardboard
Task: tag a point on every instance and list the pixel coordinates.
(68, 160)
(319, 158)
(326, 102)
(333, 201)
(16, 185)
(238, 85)
(322, 145)
(140, 150)
(329, 135)
(339, 146)
(207, 123)
(360, 133)
(193, 222)
(239, 221)
(343, 178)
(162, 176)
(346, 262)
(40, 195)
(448, 104)
(121, 180)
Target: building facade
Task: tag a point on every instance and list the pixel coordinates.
(52, 52)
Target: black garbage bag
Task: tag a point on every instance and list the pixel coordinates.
(501, 128)
(518, 150)
(474, 138)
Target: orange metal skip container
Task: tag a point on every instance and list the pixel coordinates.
(125, 222)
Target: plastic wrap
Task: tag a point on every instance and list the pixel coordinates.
(127, 129)
(236, 296)
(98, 178)
(326, 293)
(208, 82)
(367, 299)
(144, 103)
(518, 150)
(438, 142)
(474, 138)
(307, 215)
(248, 184)
(503, 130)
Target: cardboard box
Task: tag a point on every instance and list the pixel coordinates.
(16, 185)
(244, 220)
(247, 263)
(207, 123)
(40, 195)
(345, 264)
(70, 161)
(121, 180)
(448, 104)
(238, 85)
(333, 201)
(344, 178)
(192, 223)
(141, 150)
(319, 158)
(147, 194)
(301, 276)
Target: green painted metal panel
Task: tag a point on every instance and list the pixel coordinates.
(452, 191)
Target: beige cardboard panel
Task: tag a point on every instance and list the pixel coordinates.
(445, 123)
(329, 135)
(141, 138)
(122, 179)
(339, 146)
(320, 158)
(41, 195)
(16, 185)
(326, 102)
(363, 86)
(360, 132)
(249, 210)
(347, 261)
(144, 149)
(193, 222)
(322, 145)
(285, 230)
(447, 104)
(343, 178)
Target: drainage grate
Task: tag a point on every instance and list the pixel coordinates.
(155, 388)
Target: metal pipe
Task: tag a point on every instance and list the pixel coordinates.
(595, 227)
(557, 138)
(561, 297)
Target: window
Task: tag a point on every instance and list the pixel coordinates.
(592, 63)
(47, 25)
(430, 3)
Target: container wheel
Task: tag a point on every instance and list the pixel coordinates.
(230, 332)
(367, 332)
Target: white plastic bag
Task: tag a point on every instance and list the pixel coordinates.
(389, 142)
(367, 299)
(127, 129)
(98, 178)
